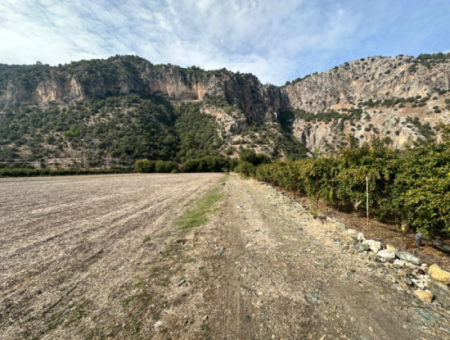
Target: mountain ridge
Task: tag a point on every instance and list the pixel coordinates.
(399, 99)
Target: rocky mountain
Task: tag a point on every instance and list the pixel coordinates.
(401, 99)
(113, 111)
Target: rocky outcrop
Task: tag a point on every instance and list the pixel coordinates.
(359, 84)
(372, 85)
(84, 80)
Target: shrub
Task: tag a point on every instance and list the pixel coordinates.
(250, 156)
(51, 139)
(247, 169)
(206, 164)
(412, 185)
(145, 165)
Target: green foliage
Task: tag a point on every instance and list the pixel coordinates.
(147, 166)
(413, 185)
(197, 132)
(246, 169)
(218, 101)
(440, 57)
(424, 129)
(60, 172)
(250, 156)
(207, 164)
(326, 117)
(199, 214)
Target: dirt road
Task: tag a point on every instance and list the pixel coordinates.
(101, 257)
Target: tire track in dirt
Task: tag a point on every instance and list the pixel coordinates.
(287, 279)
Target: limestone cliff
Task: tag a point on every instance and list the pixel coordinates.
(401, 99)
(84, 80)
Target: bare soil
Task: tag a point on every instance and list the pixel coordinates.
(101, 257)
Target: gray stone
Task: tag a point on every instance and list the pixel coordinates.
(441, 293)
(398, 287)
(408, 281)
(403, 255)
(312, 297)
(220, 252)
(418, 239)
(426, 316)
(361, 247)
(340, 225)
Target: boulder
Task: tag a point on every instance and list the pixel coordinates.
(441, 292)
(403, 255)
(375, 246)
(439, 274)
(424, 295)
(386, 254)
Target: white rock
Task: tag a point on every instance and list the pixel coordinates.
(386, 254)
(375, 246)
(399, 264)
(421, 284)
(158, 324)
(352, 231)
(361, 237)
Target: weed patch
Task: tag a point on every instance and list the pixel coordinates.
(198, 215)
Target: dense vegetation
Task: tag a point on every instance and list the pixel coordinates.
(115, 130)
(58, 172)
(411, 187)
(209, 164)
(144, 165)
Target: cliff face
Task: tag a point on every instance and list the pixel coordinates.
(400, 98)
(383, 89)
(371, 78)
(127, 74)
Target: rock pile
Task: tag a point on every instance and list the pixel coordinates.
(412, 276)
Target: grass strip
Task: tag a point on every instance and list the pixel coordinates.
(198, 215)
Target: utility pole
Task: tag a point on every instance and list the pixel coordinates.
(295, 185)
(367, 204)
(317, 194)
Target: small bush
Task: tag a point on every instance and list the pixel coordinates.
(247, 169)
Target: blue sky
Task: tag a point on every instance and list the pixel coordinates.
(275, 40)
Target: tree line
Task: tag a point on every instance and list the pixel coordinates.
(410, 187)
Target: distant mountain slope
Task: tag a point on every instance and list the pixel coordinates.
(107, 112)
(401, 99)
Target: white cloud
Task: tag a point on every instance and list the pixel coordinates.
(273, 40)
